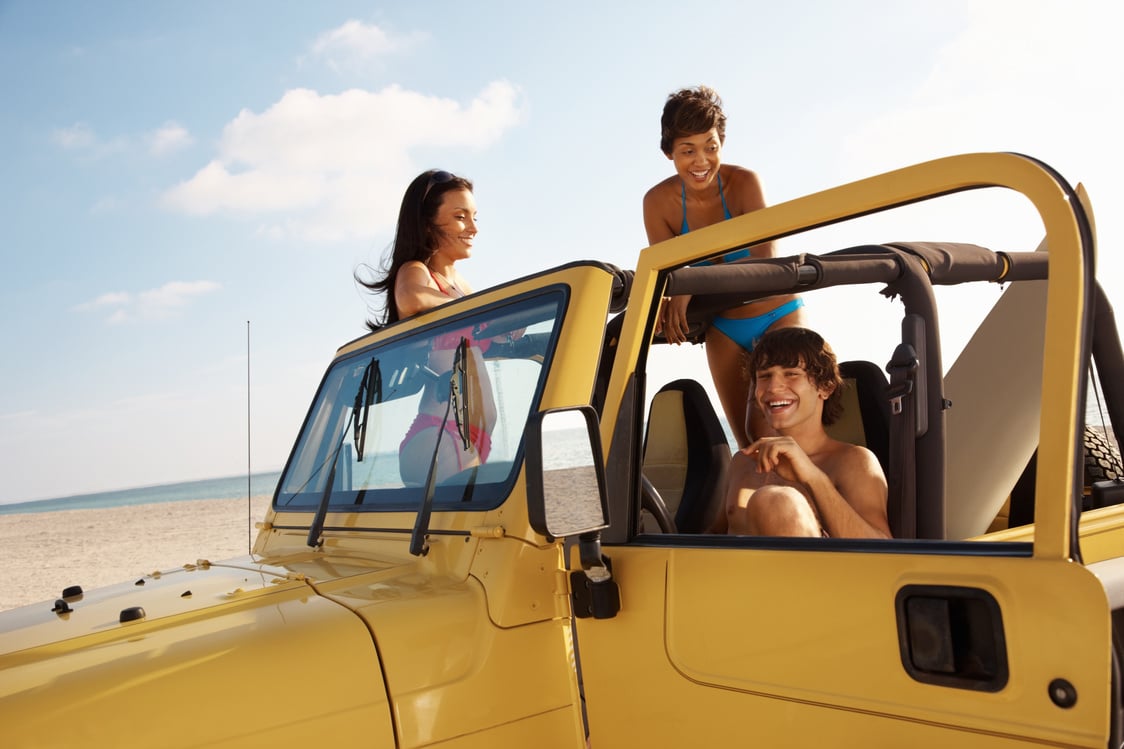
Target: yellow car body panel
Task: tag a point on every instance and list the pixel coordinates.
(826, 668)
(1100, 533)
(210, 638)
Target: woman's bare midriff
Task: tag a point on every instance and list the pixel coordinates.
(757, 308)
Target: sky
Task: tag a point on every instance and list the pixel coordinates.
(188, 184)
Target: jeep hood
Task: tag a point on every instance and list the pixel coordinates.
(179, 592)
(151, 598)
(228, 642)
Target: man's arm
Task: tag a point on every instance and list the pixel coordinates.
(852, 504)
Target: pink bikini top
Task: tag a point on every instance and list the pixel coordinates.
(441, 286)
(449, 341)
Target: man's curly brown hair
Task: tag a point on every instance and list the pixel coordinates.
(800, 347)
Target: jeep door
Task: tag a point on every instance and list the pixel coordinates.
(931, 641)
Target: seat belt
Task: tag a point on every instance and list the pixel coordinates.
(902, 481)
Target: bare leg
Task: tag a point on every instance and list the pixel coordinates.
(769, 510)
(414, 457)
(727, 368)
(755, 425)
(777, 511)
(739, 478)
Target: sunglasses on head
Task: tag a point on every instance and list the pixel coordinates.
(437, 178)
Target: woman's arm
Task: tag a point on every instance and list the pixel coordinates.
(415, 291)
(672, 317)
(657, 223)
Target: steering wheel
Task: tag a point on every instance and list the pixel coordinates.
(651, 501)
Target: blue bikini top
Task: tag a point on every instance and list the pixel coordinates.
(727, 258)
(683, 188)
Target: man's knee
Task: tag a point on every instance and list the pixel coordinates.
(779, 511)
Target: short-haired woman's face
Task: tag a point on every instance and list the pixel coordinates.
(697, 158)
(455, 225)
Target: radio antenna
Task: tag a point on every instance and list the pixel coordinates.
(249, 492)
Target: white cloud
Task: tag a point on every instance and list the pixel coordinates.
(80, 137)
(215, 188)
(175, 294)
(77, 136)
(170, 137)
(335, 164)
(355, 45)
(111, 299)
(153, 304)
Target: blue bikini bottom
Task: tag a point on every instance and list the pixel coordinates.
(746, 331)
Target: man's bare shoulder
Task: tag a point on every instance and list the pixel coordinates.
(845, 457)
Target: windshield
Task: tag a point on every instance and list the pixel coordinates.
(384, 414)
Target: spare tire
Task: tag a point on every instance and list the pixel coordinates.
(1102, 463)
(1102, 458)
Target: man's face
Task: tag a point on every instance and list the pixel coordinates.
(788, 397)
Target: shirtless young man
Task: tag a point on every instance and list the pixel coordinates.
(802, 482)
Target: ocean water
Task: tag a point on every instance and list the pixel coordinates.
(565, 449)
(230, 487)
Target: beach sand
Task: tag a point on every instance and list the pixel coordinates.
(44, 552)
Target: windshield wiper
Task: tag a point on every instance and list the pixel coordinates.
(369, 391)
(456, 404)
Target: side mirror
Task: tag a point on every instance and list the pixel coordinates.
(565, 473)
(566, 498)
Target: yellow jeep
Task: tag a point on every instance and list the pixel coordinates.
(549, 582)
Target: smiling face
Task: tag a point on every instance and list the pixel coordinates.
(798, 350)
(789, 397)
(454, 225)
(697, 158)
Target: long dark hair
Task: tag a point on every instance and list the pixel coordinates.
(415, 238)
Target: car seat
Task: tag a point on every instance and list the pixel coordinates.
(686, 452)
(686, 455)
(866, 421)
(866, 410)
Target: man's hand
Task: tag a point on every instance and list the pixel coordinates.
(782, 456)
